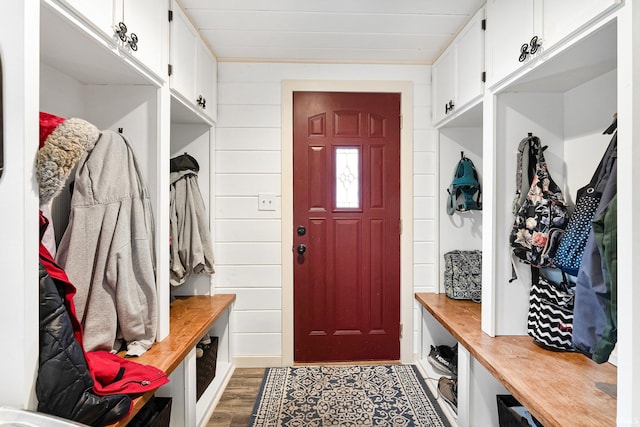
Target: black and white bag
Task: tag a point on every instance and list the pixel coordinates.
(463, 275)
(550, 319)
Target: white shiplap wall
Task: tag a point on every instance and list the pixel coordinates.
(248, 162)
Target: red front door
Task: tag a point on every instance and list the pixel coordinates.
(346, 158)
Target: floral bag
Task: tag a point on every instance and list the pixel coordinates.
(541, 217)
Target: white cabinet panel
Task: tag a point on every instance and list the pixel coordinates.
(513, 23)
(457, 74)
(144, 18)
(509, 26)
(183, 54)
(470, 61)
(444, 90)
(194, 68)
(562, 17)
(98, 12)
(206, 67)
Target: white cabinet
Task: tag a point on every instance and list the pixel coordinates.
(193, 67)
(444, 88)
(509, 26)
(470, 61)
(514, 26)
(144, 23)
(206, 77)
(145, 19)
(100, 13)
(561, 18)
(458, 72)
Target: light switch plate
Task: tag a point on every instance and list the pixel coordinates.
(266, 202)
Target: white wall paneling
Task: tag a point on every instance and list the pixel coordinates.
(249, 161)
(18, 302)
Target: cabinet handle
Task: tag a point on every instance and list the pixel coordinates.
(448, 107)
(121, 31)
(201, 101)
(133, 42)
(529, 48)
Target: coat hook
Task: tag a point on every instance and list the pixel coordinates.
(120, 130)
(462, 154)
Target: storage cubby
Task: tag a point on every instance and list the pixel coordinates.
(102, 83)
(566, 96)
(462, 230)
(569, 113)
(195, 139)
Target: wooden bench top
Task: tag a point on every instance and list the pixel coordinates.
(190, 319)
(558, 388)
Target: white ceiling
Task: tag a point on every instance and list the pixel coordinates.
(364, 31)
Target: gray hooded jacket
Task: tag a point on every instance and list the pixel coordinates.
(107, 249)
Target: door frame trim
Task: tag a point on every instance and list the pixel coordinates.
(405, 88)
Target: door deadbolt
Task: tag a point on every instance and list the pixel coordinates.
(301, 249)
(301, 230)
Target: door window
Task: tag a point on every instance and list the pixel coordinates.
(347, 182)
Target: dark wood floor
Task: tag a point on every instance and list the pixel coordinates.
(236, 402)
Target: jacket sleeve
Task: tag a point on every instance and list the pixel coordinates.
(130, 273)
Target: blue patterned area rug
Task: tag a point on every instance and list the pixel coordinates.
(345, 396)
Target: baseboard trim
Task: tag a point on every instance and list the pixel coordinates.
(257, 361)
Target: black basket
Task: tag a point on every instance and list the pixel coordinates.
(206, 366)
(155, 413)
(508, 417)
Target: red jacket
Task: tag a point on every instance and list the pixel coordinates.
(111, 374)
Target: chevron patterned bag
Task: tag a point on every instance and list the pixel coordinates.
(550, 320)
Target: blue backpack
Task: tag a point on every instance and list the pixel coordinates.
(464, 191)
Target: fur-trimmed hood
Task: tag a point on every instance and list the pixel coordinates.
(62, 143)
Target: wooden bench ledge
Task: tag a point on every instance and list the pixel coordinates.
(558, 388)
(190, 319)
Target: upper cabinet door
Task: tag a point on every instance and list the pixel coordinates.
(510, 24)
(183, 54)
(206, 76)
(194, 68)
(147, 19)
(563, 17)
(444, 87)
(470, 61)
(100, 13)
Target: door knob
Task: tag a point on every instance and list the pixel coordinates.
(301, 249)
(301, 230)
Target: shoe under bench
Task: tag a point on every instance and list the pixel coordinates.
(558, 388)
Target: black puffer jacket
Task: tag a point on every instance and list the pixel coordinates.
(64, 384)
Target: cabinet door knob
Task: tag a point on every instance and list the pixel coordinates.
(133, 42)
(529, 48)
(448, 106)
(121, 31)
(202, 102)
